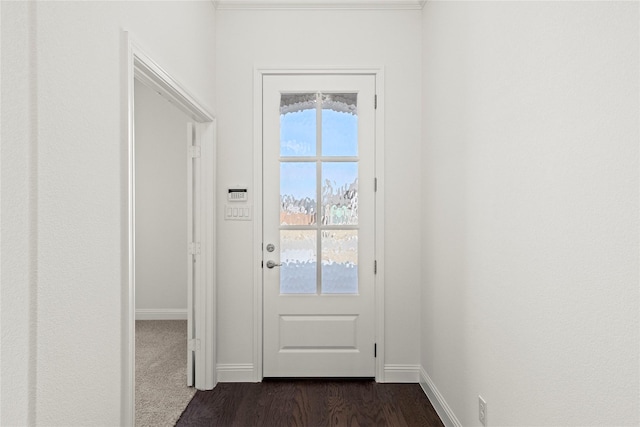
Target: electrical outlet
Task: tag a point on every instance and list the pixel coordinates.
(482, 411)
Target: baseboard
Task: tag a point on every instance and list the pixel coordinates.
(437, 400)
(161, 314)
(235, 373)
(401, 373)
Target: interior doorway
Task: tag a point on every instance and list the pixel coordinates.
(161, 207)
(164, 378)
(199, 252)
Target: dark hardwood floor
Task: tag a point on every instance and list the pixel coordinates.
(310, 403)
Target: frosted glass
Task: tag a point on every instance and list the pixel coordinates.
(298, 125)
(339, 125)
(298, 204)
(339, 193)
(339, 261)
(298, 255)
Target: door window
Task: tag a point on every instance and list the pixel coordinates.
(319, 162)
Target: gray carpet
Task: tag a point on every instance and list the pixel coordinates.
(161, 372)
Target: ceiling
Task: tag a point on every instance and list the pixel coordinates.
(318, 4)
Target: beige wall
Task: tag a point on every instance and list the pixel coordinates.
(161, 206)
(289, 38)
(74, 285)
(530, 210)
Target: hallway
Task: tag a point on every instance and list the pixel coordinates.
(506, 181)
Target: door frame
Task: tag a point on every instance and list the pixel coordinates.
(259, 74)
(136, 64)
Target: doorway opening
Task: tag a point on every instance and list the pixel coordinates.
(161, 236)
(198, 253)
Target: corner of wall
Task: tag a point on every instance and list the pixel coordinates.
(437, 400)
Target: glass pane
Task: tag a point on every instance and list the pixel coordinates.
(339, 193)
(340, 262)
(340, 124)
(298, 193)
(299, 261)
(298, 124)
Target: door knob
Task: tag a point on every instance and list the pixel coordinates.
(271, 264)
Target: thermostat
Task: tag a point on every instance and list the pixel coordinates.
(237, 195)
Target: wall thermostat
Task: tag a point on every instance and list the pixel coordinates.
(237, 195)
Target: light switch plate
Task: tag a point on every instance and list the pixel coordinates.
(238, 212)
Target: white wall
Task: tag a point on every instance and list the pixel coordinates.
(530, 204)
(161, 206)
(77, 167)
(248, 39)
(17, 265)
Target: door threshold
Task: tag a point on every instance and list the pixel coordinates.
(350, 379)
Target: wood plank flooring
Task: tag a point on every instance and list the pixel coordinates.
(310, 403)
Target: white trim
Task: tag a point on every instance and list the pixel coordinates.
(235, 373)
(138, 65)
(257, 225)
(319, 5)
(128, 239)
(208, 302)
(379, 219)
(161, 314)
(444, 411)
(401, 373)
(259, 72)
(152, 75)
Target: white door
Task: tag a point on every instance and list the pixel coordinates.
(318, 213)
(195, 263)
(192, 255)
(200, 255)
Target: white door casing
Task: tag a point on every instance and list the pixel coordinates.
(326, 330)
